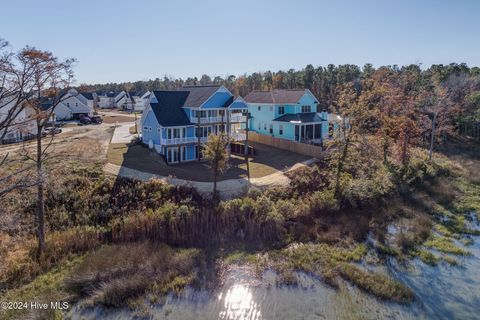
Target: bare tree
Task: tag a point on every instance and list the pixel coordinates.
(50, 82)
(16, 80)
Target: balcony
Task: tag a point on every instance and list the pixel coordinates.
(184, 140)
(208, 120)
(238, 136)
(238, 118)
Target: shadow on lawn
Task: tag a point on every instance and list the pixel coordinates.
(267, 160)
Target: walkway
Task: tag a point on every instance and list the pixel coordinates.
(226, 188)
(122, 133)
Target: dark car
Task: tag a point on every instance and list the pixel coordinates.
(84, 120)
(96, 119)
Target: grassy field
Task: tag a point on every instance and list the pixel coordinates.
(266, 161)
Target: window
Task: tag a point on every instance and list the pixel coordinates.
(259, 108)
(280, 129)
(305, 109)
(271, 108)
(271, 129)
(68, 104)
(76, 104)
(281, 110)
(265, 126)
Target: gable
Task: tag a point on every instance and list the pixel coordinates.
(307, 99)
(218, 100)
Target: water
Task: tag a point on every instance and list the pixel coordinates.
(442, 292)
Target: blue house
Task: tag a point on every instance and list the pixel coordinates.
(176, 123)
(289, 114)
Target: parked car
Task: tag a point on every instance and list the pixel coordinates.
(83, 119)
(96, 119)
(51, 130)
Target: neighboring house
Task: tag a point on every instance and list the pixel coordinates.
(141, 101)
(289, 114)
(176, 123)
(73, 105)
(91, 99)
(23, 126)
(135, 101)
(111, 99)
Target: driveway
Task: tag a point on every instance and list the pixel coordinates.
(122, 133)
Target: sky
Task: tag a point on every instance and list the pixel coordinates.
(118, 41)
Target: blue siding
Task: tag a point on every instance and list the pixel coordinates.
(150, 134)
(306, 99)
(217, 100)
(190, 152)
(190, 132)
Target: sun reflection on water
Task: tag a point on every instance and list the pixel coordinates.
(239, 303)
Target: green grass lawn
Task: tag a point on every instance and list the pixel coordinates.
(266, 161)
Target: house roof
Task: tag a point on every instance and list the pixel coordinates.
(198, 94)
(277, 96)
(301, 117)
(168, 110)
(87, 95)
(238, 103)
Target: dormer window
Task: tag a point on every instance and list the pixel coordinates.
(306, 109)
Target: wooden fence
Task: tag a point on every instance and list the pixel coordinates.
(297, 147)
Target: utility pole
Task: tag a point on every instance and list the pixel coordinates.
(136, 129)
(247, 116)
(198, 134)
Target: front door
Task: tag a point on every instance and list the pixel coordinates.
(173, 155)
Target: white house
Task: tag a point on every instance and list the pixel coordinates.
(23, 126)
(91, 99)
(141, 101)
(72, 105)
(112, 99)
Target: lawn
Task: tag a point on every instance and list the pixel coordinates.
(267, 160)
(117, 118)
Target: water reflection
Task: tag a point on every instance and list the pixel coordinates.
(239, 303)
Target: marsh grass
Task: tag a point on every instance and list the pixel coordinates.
(329, 263)
(115, 274)
(445, 245)
(44, 288)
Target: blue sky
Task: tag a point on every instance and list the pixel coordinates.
(116, 41)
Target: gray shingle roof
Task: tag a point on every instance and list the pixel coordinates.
(198, 94)
(277, 96)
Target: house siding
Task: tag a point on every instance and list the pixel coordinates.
(217, 100)
(152, 133)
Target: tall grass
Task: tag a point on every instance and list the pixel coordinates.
(114, 274)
